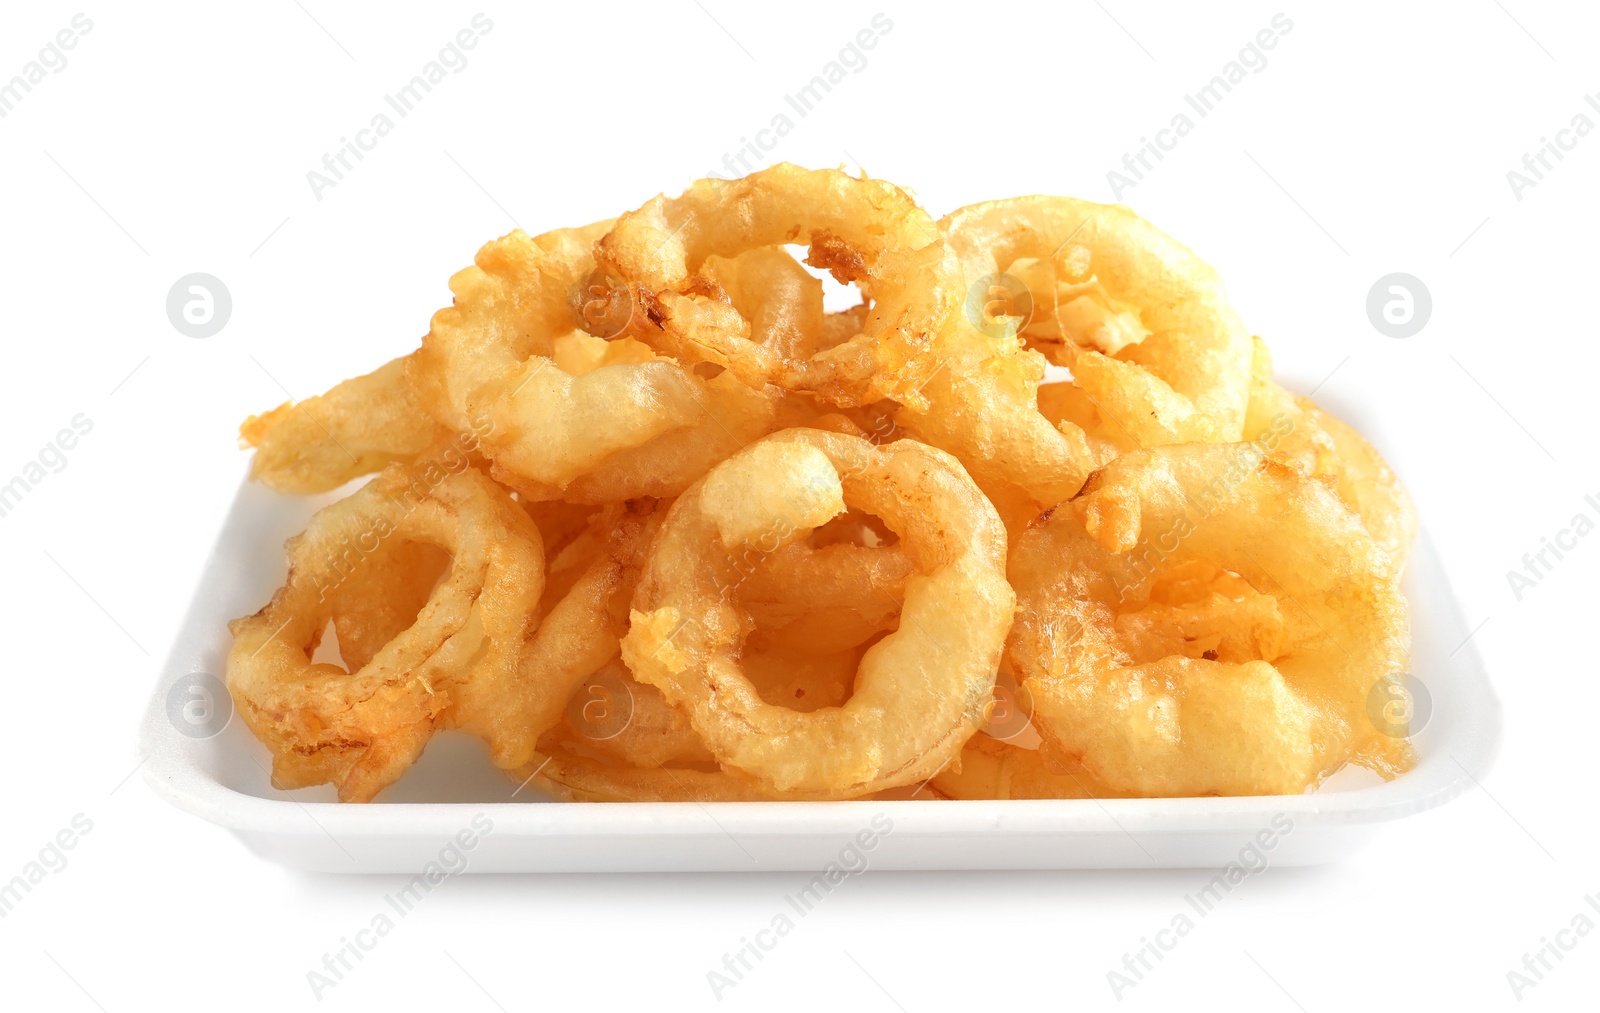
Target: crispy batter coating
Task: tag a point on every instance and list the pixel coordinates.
(657, 526)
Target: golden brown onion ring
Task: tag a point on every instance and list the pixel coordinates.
(861, 230)
(1316, 443)
(984, 410)
(1144, 324)
(918, 690)
(455, 665)
(360, 426)
(489, 357)
(1181, 725)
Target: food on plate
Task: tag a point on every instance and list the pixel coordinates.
(821, 600)
(990, 768)
(1143, 323)
(486, 366)
(454, 665)
(1201, 620)
(865, 231)
(1316, 443)
(911, 709)
(657, 523)
(984, 407)
(360, 426)
(582, 628)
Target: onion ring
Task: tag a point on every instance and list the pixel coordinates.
(1316, 443)
(454, 666)
(915, 690)
(862, 230)
(382, 598)
(984, 409)
(1180, 725)
(489, 356)
(1143, 323)
(360, 426)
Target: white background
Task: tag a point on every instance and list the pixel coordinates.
(1377, 139)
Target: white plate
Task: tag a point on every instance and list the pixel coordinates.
(454, 797)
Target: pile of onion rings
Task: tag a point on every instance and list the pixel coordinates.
(654, 521)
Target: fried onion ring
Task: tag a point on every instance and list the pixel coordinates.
(455, 665)
(1318, 444)
(489, 357)
(914, 692)
(360, 426)
(984, 409)
(1144, 324)
(862, 230)
(1282, 707)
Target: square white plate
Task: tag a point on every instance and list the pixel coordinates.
(453, 791)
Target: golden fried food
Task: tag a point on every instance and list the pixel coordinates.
(860, 230)
(486, 364)
(360, 426)
(455, 665)
(818, 601)
(1312, 441)
(992, 769)
(1203, 620)
(1142, 322)
(913, 703)
(984, 409)
(1032, 521)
